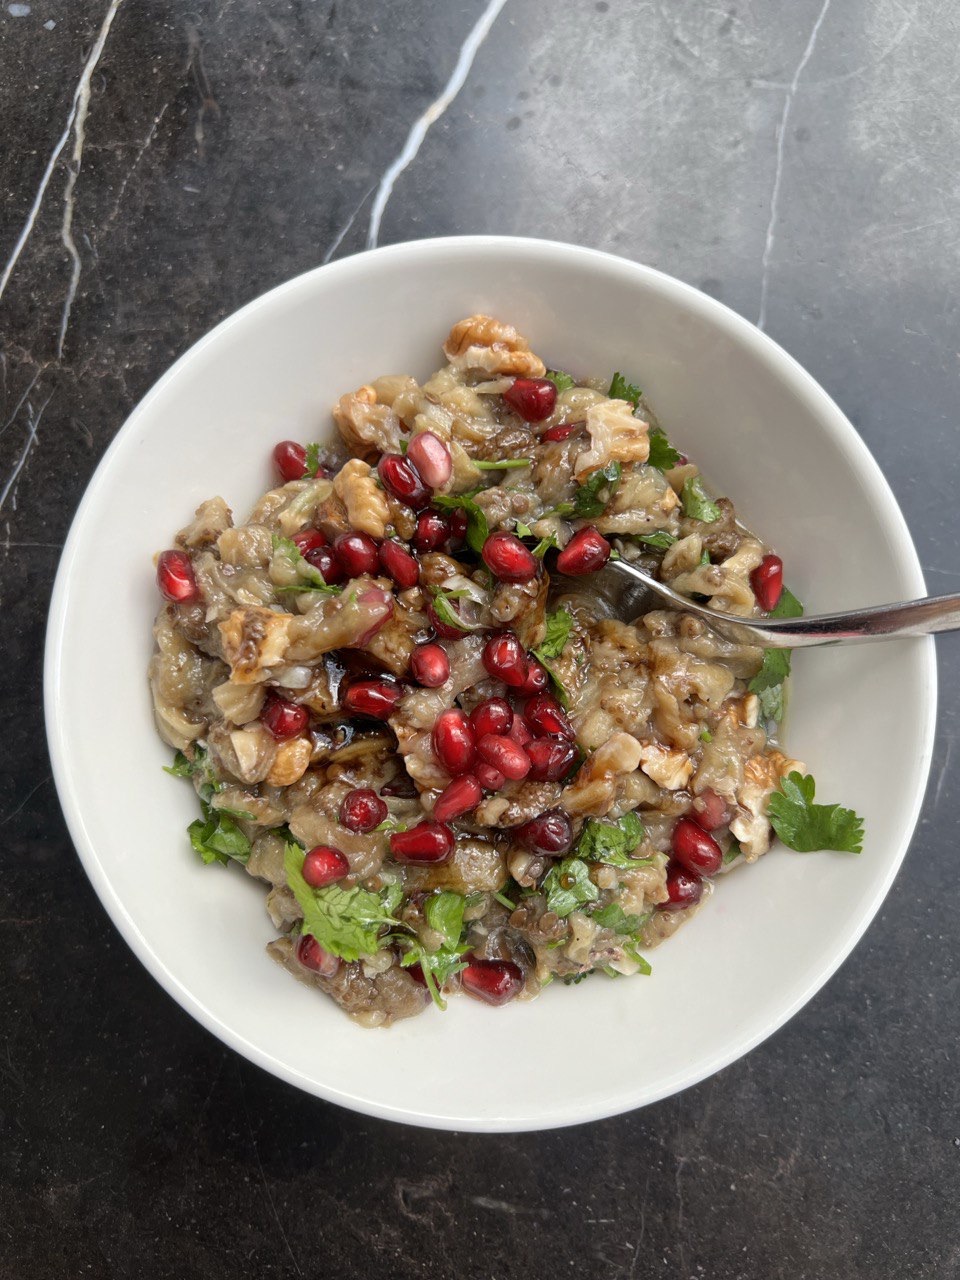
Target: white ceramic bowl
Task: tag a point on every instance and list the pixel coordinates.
(763, 432)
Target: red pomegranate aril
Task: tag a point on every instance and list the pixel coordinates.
(357, 553)
(401, 478)
(379, 604)
(521, 732)
(586, 552)
(490, 779)
(696, 850)
(312, 956)
(400, 564)
(710, 810)
(282, 718)
(533, 398)
(504, 659)
(550, 833)
(307, 540)
(535, 681)
(427, 842)
(684, 887)
(432, 531)
(767, 582)
(544, 714)
(459, 797)
(290, 459)
(443, 629)
(323, 865)
(175, 577)
(493, 715)
(362, 809)
(430, 665)
(506, 556)
(324, 559)
(563, 432)
(493, 981)
(376, 698)
(458, 528)
(504, 754)
(550, 758)
(431, 457)
(454, 743)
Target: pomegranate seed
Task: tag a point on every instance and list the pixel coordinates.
(175, 577)
(462, 795)
(443, 629)
(504, 754)
(357, 553)
(550, 758)
(401, 478)
(453, 742)
(282, 718)
(379, 604)
(533, 398)
(312, 956)
(426, 842)
(430, 665)
(431, 457)
(586, 552)
(544, 713)
(563, 432)
(493, 715)
(490, 779)
(308, 539)
(710, 810)
(362, 809)
(376, 698)
(290, 459)
(506, 556)
(324, 559)
(504, 659)
(493, 981)
(433, 530)
(416, 973)
(398, 562)
(536, 679)
(323, 865)
(684, 887)
(767, 582)
(549, 833)
(458, 528)
(697, 851)
(520, 732)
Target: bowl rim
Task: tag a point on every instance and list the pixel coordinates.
(787, 368)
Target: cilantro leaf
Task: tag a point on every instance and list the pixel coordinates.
(696, 504)
(662, 540)
(805, 826)
(788, 606)
(559, 625)
(199, 769)
(614, 917)
(478, 530)
(612, 842)
(447, 613)
(562, 381)
(181, 767)
(543, 546)
(589, 500)
(217, 838)
(437, 967)
(621, 389)
(568, 886)
(733, 852)
(503, 464)
(313, 578)
(663, 455)
(346, 922)
(444, 914)
(312, 460)
(768, 682)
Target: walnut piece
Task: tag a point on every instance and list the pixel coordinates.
(367, 506)
(254, 639)
(480, 342)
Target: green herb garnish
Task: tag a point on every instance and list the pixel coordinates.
(662, 540)
(612, 842)
(663, 455)
(696, 504)
(767, 684)
(478, 530)
(807, 827)
(503, 464)
(621, 389)
(562, 381)
(568, 886)
(346, 922)
(217, 838)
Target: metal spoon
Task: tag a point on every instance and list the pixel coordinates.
(627, 586)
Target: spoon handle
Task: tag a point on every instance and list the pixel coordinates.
(880, 622)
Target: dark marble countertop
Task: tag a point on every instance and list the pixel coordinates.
(165, 162)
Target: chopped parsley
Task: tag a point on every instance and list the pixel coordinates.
(614, 917)
(612, 842)
(562, 381)
(447, 613)
(621, 389)
(807, 827)
(444, 914)
(767, 684)
(478, 530)
(663, 455)
(662, 540)
(568, 886)
(346, 922)
(543, 546)
(217, 838)
(696, 504)
(312, 577)
(559, 626)
(503, 464)
(593, 495)
(733, 852)
(312, 460)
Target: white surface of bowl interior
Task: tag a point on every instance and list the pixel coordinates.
(762, 432)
